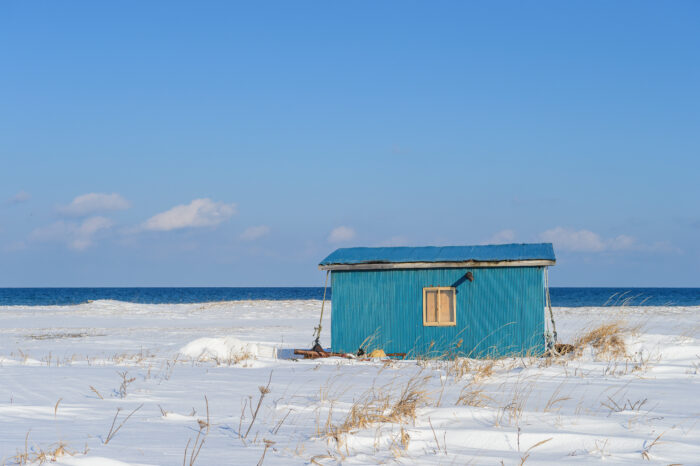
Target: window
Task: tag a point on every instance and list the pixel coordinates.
(439, 306)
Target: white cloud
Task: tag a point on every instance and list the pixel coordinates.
(574, 240)
(502, 237)
(341, 234)
(253, 233)
(588, 241)
(622, 242)
(77, 236)
(198, 213)
(87, 229)
(20, 197)
(94, 202)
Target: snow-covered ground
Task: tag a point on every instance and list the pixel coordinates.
(66, 371)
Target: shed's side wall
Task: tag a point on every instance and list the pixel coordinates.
(501, 312)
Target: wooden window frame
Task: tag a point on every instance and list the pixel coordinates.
(454, 306)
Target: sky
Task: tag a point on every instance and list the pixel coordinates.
(238, 144)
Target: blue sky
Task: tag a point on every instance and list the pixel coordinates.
(231, 144)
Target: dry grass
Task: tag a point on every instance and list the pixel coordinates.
(377, 406)
(399, 444)
(23, 355)
(368, 410)
(648, 446)
(412, 395)
(232, 359)
(264, 390)
(527, 453)
(168, 368)
(555, 399)
(126, 381)
(511, 413)
(96, 392)
(473, 395)
(618, 406)
(268, 444)
(405, 439)
(607, 340)
(112, 431)
(61, 335)
(484, 369)
(437, 443)
(23, 457)
(55, 408)
(132, 358)
(369, 344)
(52, 454)
(459, 368)
(204, 427)
(40, 455)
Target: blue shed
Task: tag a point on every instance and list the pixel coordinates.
(466, 300)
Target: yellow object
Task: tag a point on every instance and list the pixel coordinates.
(378, 353)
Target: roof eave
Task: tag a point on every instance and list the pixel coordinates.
(437, 265)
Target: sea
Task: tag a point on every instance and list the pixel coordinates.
(560, 296)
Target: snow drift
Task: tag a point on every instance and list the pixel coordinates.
(226, 348)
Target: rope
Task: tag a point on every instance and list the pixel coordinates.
(549, 305)
(317, 330)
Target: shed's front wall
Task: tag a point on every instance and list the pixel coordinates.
(501, 312)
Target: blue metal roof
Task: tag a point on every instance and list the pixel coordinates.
(484, 253)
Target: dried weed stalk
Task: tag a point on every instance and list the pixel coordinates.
(263, 391)
(112, 431)
(525, 456)
(648, 447)
(199, 440)
(96, 392)
(126, 381)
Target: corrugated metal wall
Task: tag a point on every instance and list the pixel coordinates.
(501, 312)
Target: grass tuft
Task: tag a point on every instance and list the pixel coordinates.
(607, 340)
(377, 406)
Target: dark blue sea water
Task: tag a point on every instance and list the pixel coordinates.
(568, 297)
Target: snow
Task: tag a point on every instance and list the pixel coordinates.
(227, 349)
(66, 371)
